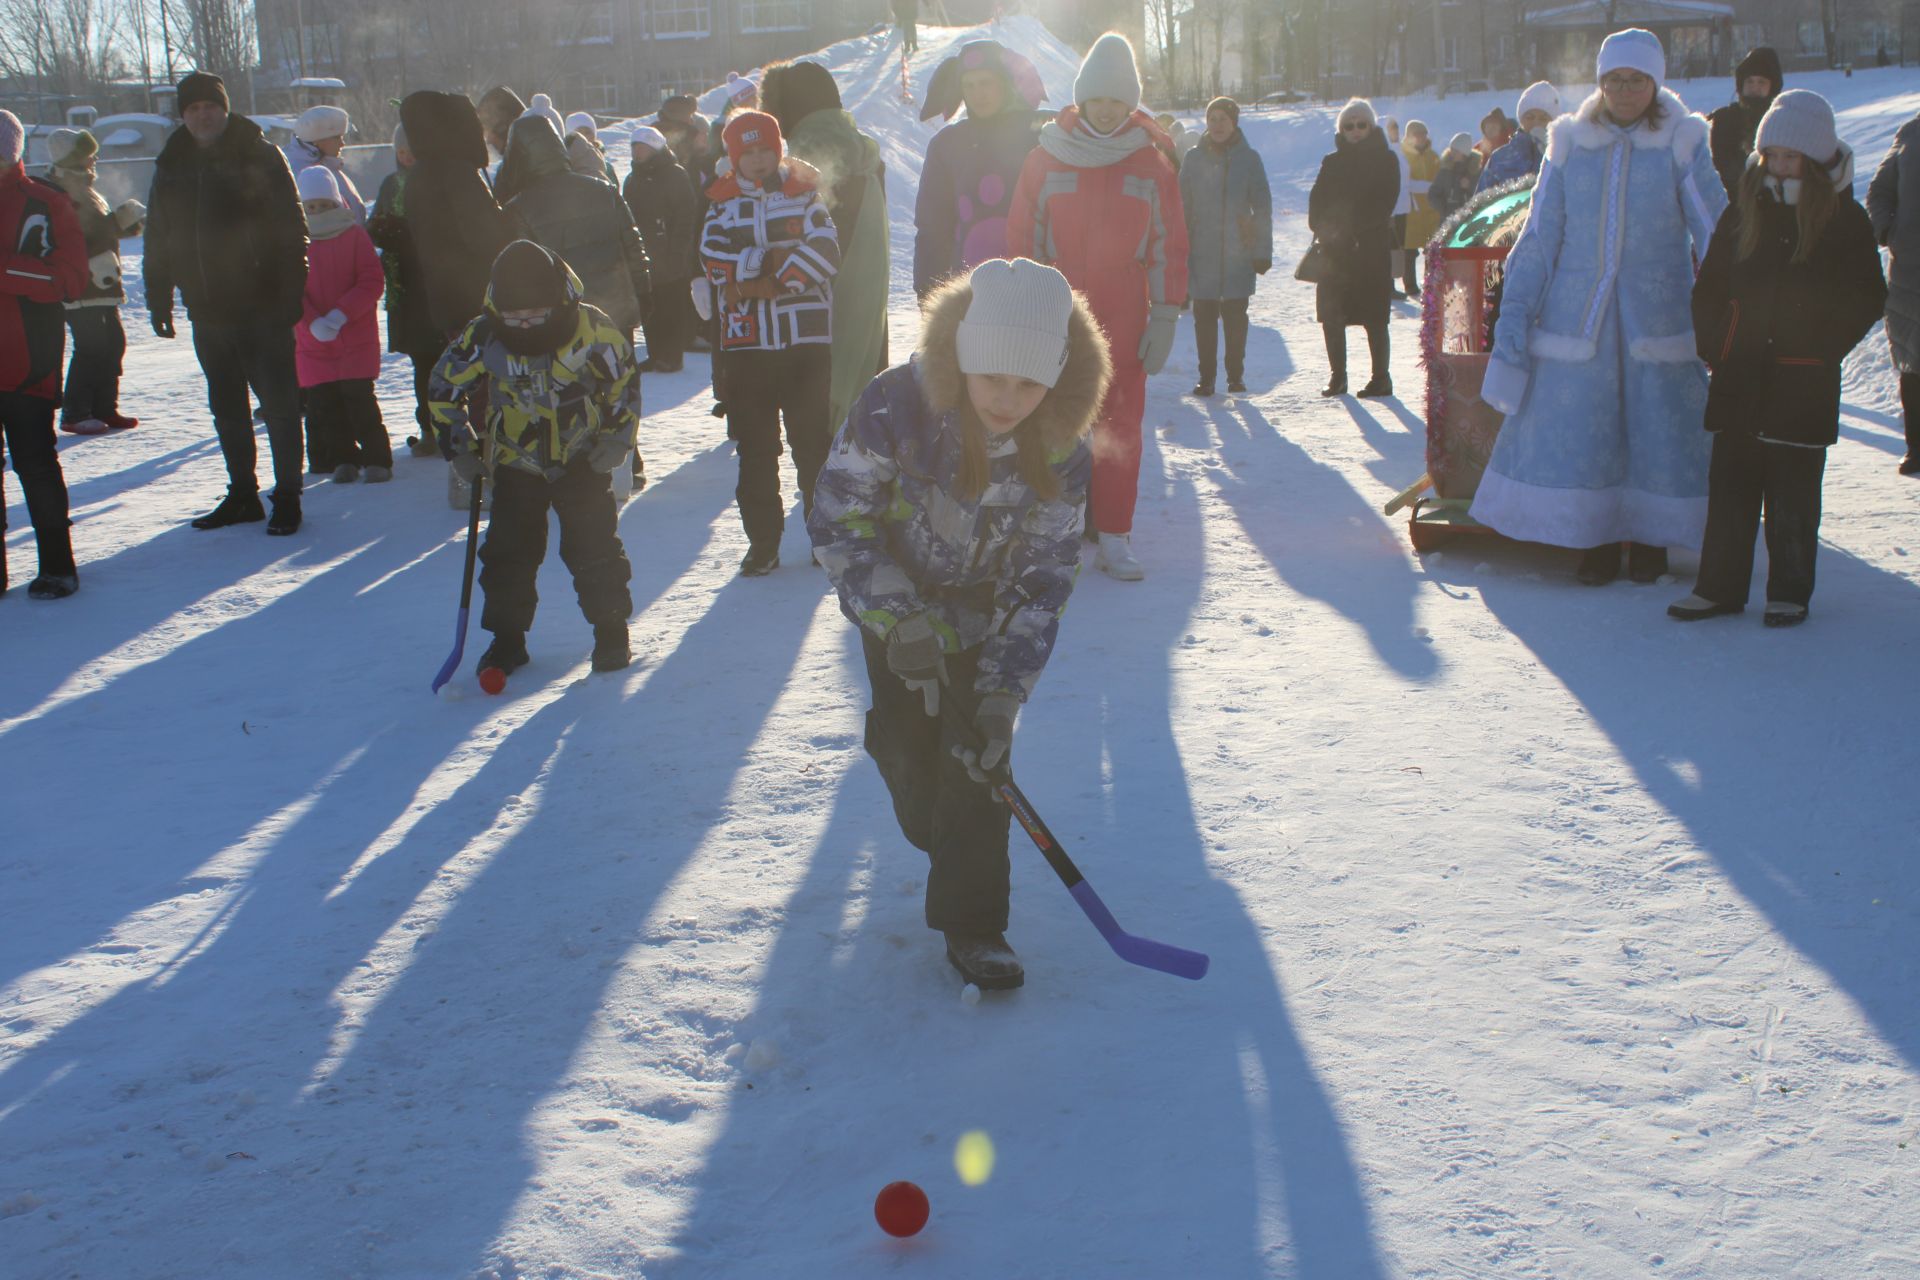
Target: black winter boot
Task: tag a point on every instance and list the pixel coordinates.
(985, 960)
(53, 586)
(235, 508)
(507, 653)
(1378, 387)
(759, 561)
(611, 651)
(1600, 565)
(286, 517)
(1645, 563)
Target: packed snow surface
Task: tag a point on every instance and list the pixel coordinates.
(1549, 937)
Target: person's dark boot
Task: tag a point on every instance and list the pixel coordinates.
(1378, 387)
(235, 508)
(985, 960)
(1910, 465)
(1236, 386)
(1202, 389)
(286, 517)
(1697, 607)
(1600, 565)
(53, 586)
(507, 654)
(760, 561)
(1336, 386)
(1644, 563)
(611, 650)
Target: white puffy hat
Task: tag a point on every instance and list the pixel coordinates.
(648, 136)
(316, 123)
(315, 182)
(1799, 120)
(581, 122)
(1634, 49)
(1016, 322)
(1539, 96)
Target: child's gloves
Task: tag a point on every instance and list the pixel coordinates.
(1157, 344)
(993, 721)
(327, 327)
(128, 215)
(608, 452)
(913, 654)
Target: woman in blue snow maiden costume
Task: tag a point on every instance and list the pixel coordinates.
(1593, 357)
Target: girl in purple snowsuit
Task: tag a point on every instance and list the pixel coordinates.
(967, 181)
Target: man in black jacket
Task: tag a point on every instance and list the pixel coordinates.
(666, 210)
(581, 219)
(224, 227)
(1756, 83)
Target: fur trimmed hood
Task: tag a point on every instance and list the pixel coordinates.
(1681, 132)
(1068, 410)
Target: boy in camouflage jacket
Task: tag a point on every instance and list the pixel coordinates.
(560, 393)
(948, 516)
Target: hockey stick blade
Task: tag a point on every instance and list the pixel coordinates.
(452, 664)
(1132, 948)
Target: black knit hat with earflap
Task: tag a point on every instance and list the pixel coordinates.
(525, 277)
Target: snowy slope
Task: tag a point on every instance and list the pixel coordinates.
(1549, 938)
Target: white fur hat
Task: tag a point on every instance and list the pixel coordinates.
(1634, 49)
(581, 122)
(1017, 321)
(316, 123)
(1800, 120)
(316, 183)
(1539, 96)
(648, 136)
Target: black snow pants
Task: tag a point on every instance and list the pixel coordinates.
(955, 821)
(93, 371)
(242, 355)
(516, 543)
(26, 426)
(344, 424)
(1745, 477)
(764, 388)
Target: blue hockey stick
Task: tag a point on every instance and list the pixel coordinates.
(452, 664)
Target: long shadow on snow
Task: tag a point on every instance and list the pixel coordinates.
(1770, 747)
(439, 1078)
(1121, 1101)
(1322, 538)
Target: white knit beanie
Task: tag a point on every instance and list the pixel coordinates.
(648, 136)
(316, 123)
(1800, 120)
(315, 182)
(13, 139)
(1461, 142)
(739, 87)
(1108, 71)
(542, 105)
(1357, 109)
(1634, 49)
(581, 122)
(1017, 321)
(1539, 96)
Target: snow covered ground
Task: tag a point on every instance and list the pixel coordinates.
(1549, 937)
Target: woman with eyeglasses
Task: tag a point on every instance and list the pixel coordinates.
(1350, 212)
(1593, 356)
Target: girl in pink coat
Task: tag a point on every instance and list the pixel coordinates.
(1099, 200)
(337, 342)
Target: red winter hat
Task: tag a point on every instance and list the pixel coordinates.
(748, 130)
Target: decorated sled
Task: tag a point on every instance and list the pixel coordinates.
(1465, 264)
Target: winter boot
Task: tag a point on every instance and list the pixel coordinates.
(1336, 386)
(1600, 565)
(1378, 387)
(1236, 386)
(346, 473)
(507, 653)
(1644, 563)
(377, 474)
(1782, 613)
(759, 561)
(1910, 465)
(1202, 390)
(286, 517)
(611, 650)
(985, 960)
(1116, 558)
(119, 421)
(53, 586)
(235, 508)
(1696, 606)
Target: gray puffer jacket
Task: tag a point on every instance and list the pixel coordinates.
(1893, 205)
(1229, 210)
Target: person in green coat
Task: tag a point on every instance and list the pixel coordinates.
(804, 99)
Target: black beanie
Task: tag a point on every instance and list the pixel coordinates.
(201, 86)
(526, 276)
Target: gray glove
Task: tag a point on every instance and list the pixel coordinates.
(1162, 319)
(466, 464)
(994, 723)
(913, 654)
(608, 452)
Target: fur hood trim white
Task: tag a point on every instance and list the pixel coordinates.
(1682, 132)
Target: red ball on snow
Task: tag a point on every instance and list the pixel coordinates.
(493, 680)
(901, 1209)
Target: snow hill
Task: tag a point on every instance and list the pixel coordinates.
(1550, 938)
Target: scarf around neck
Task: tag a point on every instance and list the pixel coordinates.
(1075, 142)
(325, 226)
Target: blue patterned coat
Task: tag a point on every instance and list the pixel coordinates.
(1593, 356)
(898, 538)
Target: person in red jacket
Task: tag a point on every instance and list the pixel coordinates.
(43, 264)
(1099, 200)
(336, 345)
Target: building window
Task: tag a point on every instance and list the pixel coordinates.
(1502, 50)
(597, 95)
(1392, 67)
(1813, 39)
(676, 19)
(1450, 53)
(775, 15)
(683, 78)
(1748, 35)
(592, 24)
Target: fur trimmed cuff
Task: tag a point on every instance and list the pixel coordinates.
(1504, 386)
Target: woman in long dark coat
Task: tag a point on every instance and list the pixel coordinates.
(1351, 214)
